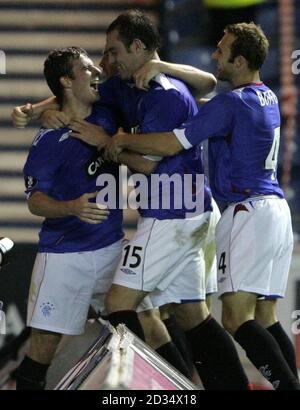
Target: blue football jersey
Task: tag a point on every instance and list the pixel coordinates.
(163, 107)
(243, 127)
(65, 168)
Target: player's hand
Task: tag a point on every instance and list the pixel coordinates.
(54, 119)
(87, 211)
(90, 133)
(21, 115)
(114, 146)
(143, 75)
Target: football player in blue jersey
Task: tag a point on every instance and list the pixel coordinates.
(80, 240)
(175, 269)
(254, 235)
(163, 258)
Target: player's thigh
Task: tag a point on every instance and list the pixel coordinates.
(123, 298)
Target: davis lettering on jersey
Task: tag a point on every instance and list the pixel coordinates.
(267, 97)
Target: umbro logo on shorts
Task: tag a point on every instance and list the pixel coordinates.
(128, 271)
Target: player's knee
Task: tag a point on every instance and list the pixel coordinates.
(109, 302)
(190, 315)
(232, 321)
(265, 313)
(229, 324)
(43, 345)
(156, 334)
(208, 302)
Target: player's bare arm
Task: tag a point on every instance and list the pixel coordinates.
(90, 133)
(202, 81)
(162, 144)
(41, 204)
(136, 162)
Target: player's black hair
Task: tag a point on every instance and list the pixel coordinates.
(250, 42)
(133, 24)
(59, 63)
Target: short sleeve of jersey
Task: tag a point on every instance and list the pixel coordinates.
(214, 119)
(45, 157)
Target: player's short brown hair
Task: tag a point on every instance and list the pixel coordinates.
(250, 42)
(59, 63)
(133, 24)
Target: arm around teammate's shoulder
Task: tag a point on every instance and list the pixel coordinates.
(200, 80)
(214, 119)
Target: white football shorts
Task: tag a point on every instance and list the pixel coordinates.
(63, 285)
(254, 247)
(174, 259)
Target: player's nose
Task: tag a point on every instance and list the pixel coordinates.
(97, 70)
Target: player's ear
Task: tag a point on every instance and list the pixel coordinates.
(65, 82)
(240, 62)
(138, 46)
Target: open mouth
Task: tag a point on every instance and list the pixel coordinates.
(95, 84)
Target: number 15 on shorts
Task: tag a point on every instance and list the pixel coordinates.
(132, 256)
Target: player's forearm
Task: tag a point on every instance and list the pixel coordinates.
(161, 144)
(136, 162)
(41, 204)
(202, 81)
(42, 106)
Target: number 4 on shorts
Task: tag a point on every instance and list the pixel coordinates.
(222, 265)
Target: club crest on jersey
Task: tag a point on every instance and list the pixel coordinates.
(30, 182)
